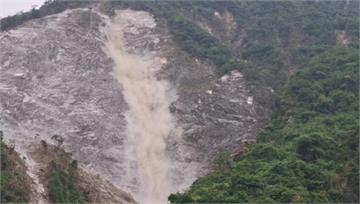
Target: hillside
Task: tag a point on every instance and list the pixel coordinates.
(191, 101)
(307, 153)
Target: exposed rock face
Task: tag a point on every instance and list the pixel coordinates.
(56, 78)
(214, 115)
(342, 38)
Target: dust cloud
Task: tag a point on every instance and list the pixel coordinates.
(149, 121)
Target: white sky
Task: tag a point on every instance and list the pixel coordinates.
(11, 7)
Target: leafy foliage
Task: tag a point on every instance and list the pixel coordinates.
(62, 185)
(283, 35)
(62, 177)
(200, 43)
(308, 152)
(14, 184)
(49, 7)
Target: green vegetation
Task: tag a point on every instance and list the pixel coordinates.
(50, 7)
(201, 44)
(14, 183)
(62, 185)
(279, 36)
(309, 151)
(61, 176)
(278, 33)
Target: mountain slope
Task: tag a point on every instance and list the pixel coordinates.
(217, 70)
(57, 81)
(309, 151)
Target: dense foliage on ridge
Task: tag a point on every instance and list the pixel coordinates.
(309, 152)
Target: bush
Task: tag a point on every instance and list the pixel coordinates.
(62, 185)
(14, 183)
